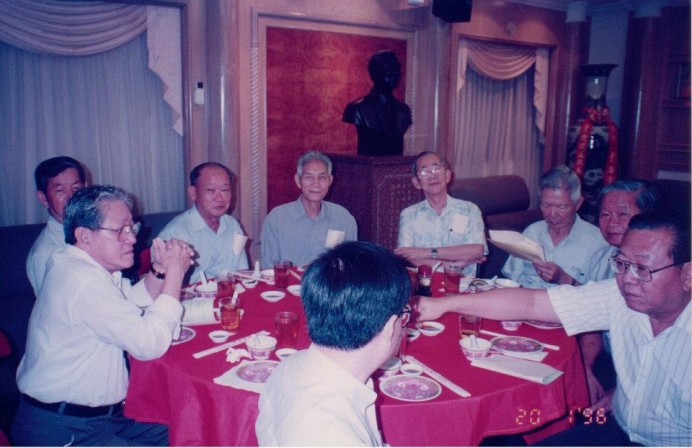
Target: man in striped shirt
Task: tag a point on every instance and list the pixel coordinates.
(647, 310)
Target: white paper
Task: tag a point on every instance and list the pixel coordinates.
(199, 311)
(239, 243)
(517, 244)
(334, 237)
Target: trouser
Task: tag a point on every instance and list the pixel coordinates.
(607, 434)
(34, 426)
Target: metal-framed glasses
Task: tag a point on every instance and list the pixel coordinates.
(639, 271)
(125, 231)
(405, 315)
(427, 172)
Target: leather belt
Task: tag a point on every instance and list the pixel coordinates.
(75, 410)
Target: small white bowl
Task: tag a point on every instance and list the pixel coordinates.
(267, 273)
(389, 368)
(219, 336)
(430, 328)
(284, 353)
(411, 369)
(273, 296)
(261, 347)
(249, 284)
(511, 325)
(294, 289)
(471, 352)
(208, 291)
(506, 283)
(412, 334)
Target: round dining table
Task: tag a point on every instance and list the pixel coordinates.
(178, 389)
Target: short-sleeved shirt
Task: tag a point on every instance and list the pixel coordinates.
(288, 233)
(459, 223)
(51, 238)
(214, 249)
(599, 267)
(573, 254)
(653, 396)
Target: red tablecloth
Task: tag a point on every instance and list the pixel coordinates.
(178, 390)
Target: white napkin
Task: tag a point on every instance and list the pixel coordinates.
(520, 368)
(231, 379)
(239, 241)
(234, 354)
(334, 237)
(199, 311)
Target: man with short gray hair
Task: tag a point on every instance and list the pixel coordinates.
(298, 231)
(568, 241)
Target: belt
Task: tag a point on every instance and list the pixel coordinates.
(75, 410)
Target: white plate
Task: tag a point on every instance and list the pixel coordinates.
(273, 296)
(543, 325)
(256, 371)
(430, 328)
(516, 345)
(186, 334)
(410, 388)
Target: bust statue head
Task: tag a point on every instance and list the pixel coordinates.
(385, 70)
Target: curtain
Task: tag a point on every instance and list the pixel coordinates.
(501, 103)
(104, 110)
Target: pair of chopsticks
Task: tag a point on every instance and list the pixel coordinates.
(499, 335)
(436, 376)
(250, 277)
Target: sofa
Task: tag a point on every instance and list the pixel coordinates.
(505, 204)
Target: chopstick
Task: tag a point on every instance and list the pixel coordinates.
(436, 376)
(492, 333)
(296, 275)
(250, 277)
(222, 347)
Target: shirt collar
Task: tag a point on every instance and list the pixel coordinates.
(300, 210)
(199, 224)
(115, 277)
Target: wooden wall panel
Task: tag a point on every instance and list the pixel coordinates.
(311, 76)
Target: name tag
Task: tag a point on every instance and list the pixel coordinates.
(460, 224)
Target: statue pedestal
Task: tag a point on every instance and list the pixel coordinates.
(375, 190)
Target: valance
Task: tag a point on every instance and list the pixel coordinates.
(77, 28)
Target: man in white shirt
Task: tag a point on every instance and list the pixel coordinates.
(323, 396)
(647, 310)
(440, 228)
(206, 226)
(56, 180)
(73, 376)
(298, 230)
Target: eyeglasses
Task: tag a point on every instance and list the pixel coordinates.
(427, 172)
(125, 231)
(639, 271)
(405, 315)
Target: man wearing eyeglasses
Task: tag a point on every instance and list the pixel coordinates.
(440, 228)
(647, 310)
(324, 396)
(73, 377)
(568, 241)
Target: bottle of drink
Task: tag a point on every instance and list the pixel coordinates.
(424, 278)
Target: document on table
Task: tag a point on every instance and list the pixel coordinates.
(517, 244)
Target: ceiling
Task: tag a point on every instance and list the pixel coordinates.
(600, 5)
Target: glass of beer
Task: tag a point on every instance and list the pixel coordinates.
(286, 329)
(231, 312)
(281, 273)
(225, 285)
(452, 279)
(469, 325)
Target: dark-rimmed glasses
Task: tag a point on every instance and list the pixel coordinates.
(640, 272)
(125, 231)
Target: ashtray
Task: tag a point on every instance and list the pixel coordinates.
(430, 328)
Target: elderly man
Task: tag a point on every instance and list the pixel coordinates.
(298, 231)
(617, 204)
(206, 226)
(323, 396)
(647, 310)
(440, 228)
(56, 180)
(568, 242)
(73, 376)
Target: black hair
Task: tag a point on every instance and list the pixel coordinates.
(84, 209)
(679, 251)
(50, 168)
(197, 171)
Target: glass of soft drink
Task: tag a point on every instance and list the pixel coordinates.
(469, 325)
(231, 312)
(225, 285)
(286, 329)
(281, 273)
(452, 279)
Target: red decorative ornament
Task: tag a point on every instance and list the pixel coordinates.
(600, 117)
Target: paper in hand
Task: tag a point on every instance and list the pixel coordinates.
(517, 244)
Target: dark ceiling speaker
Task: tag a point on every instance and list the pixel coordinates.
(452, 10)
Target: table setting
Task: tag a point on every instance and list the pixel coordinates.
(196, 390)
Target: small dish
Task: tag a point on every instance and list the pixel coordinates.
(261, 347)
(267, 273)
(256, 371)
(506, 283)
(284, 353)
(410, 388)
(511, 325)
(411, 369)
(219, 336)
(389, 368)
(207, 292)
(471, 352)
(516, 345)
(430, 328)
(273, 296)
(186, 334)
(412, 334)
(294, 289)
(249, 284)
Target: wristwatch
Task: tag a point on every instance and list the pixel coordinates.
(158, 274)
(434, 252)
